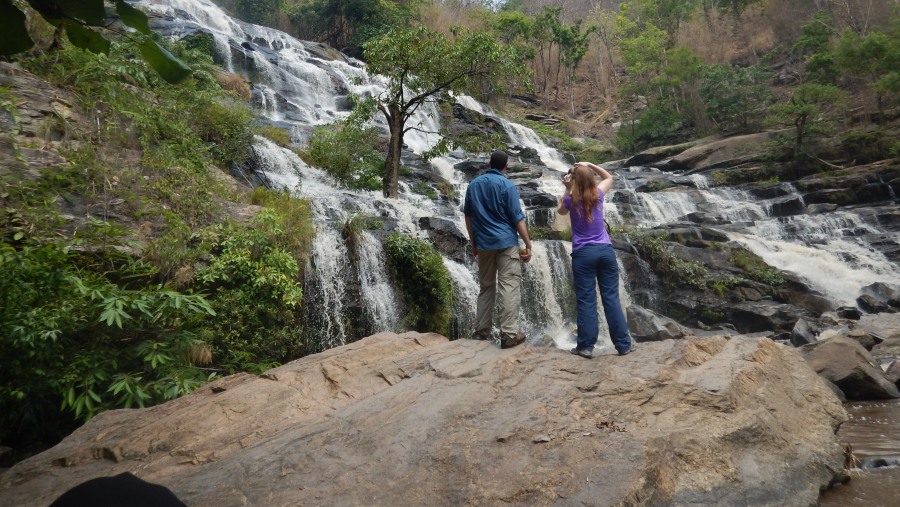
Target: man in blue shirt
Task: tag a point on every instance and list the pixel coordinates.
(493, 218)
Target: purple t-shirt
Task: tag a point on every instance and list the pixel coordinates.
(584, 232)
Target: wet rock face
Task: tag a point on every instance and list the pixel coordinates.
(416, 419)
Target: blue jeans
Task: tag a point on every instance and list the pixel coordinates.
(592, 264)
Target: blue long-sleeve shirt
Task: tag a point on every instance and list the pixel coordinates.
(492, 203)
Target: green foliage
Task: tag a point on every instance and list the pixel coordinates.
(259, 12)
(709, 315)
(347, 150)
(422, 187)
(347, 25)
(255, 289)
(85, 332)
(652, 248)
(424, 282)
(277, 135)
(875, 57)
(178, 128)
(811, 109)
(81, 20)
(225, 127)
(666, 14)
(295, 219)
(419, 64)
(659, 123)
(735, 98)
(756, 268)
(721, 286)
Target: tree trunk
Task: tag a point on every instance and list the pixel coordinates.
(392, 162)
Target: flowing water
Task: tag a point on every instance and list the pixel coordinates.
(873, 431)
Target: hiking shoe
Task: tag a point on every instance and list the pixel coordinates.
(585, 353)
(509, 341)
(482, 335)
(631, 349)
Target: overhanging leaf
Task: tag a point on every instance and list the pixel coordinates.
(133, 17)
(14, 36)
(85, 38)
(89, 11)
(170, 68)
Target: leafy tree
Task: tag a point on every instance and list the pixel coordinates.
(735, 97)
(80, 21)
(810, 109)
(573, 45)
(347, 24)
(814, 42)
(257, 11)
(875, 57)
(346, 149)
(666, 14)
(420, 64)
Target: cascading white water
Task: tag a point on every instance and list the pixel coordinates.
(375, 284)
(825, 251)
(520, 135)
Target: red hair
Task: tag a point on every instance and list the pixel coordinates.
(584, 191)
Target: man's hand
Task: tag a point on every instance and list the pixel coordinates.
(525, 255)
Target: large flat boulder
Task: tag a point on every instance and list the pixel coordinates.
(415, 419)
(727, 152)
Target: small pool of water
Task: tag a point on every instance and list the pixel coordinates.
(873, 431)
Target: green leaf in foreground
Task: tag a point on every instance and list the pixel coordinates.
(133, 17)
(85, 38)
(170, 68)
(14, 37)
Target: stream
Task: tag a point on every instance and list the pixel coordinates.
(873, 431)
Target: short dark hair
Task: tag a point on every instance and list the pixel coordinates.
(499, 159)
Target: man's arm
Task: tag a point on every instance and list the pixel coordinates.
(471, 235)
(523, 232)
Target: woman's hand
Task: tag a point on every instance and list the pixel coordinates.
(567, 180)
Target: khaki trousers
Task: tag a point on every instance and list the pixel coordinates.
(500, 276)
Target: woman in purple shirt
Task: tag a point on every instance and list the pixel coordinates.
(593, 259)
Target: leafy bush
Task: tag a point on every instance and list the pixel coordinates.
(347, 151)
(424, 282)
(73, 338)
(735, 97)
(225, 125)
(255, 291)
(275, 134)
(756, 268)
(659, 123)
(652, 248)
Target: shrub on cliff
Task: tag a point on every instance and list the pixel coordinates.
(423, 281)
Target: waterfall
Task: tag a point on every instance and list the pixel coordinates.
(301, 85)
(378, 292)
(520, 135)
(826, 251)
